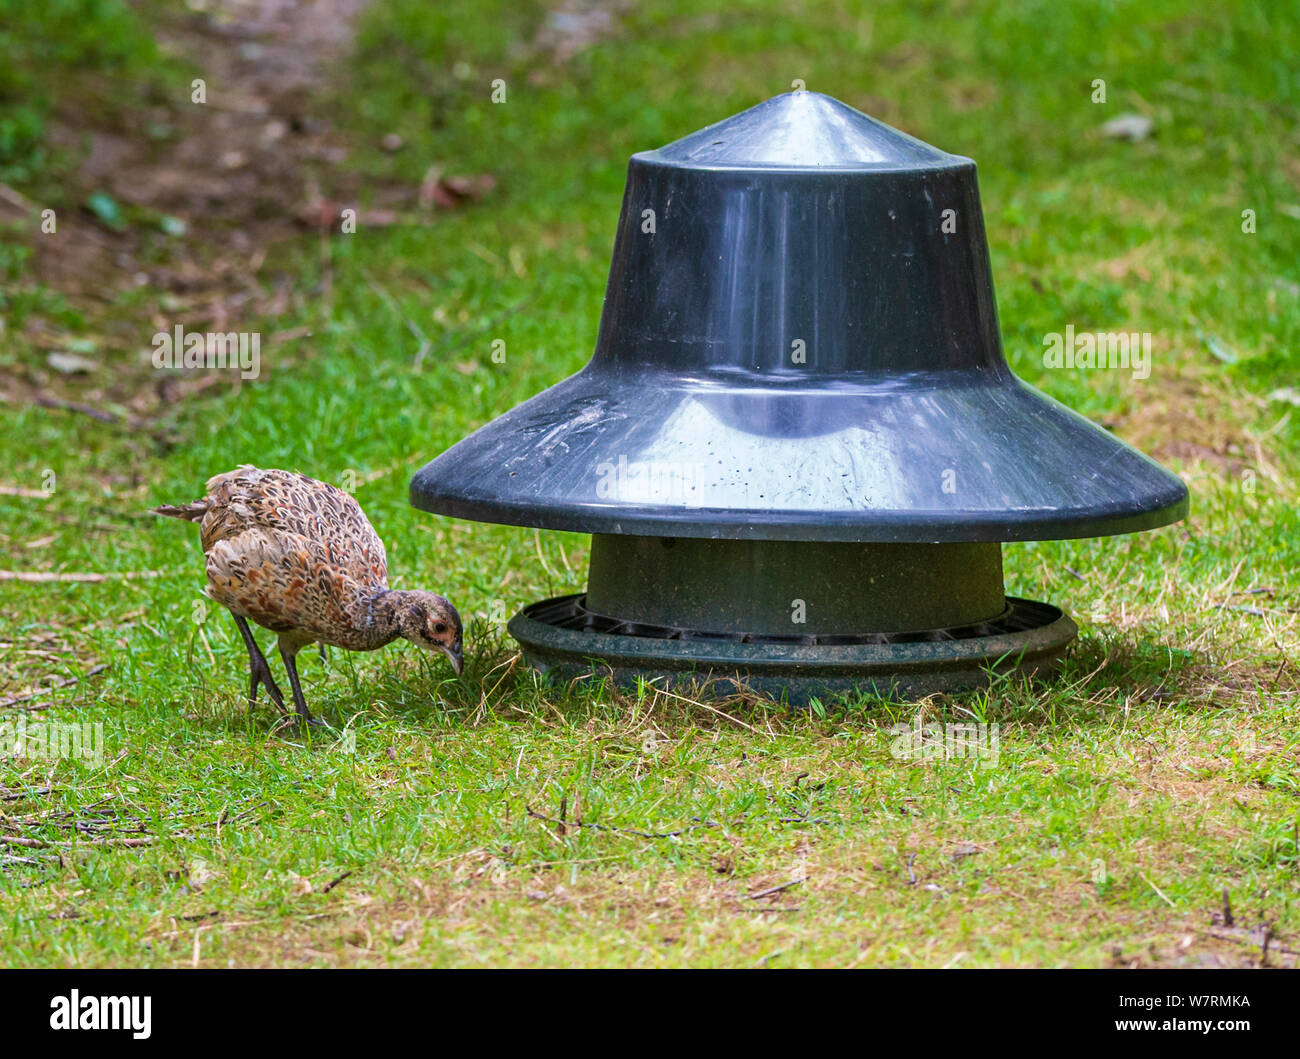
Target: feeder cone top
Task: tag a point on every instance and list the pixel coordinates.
(801, 130)
(800, 342)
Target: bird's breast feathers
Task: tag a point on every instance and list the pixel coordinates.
(284, 581)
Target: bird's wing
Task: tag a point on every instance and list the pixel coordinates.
(284, 582)
(287, 503)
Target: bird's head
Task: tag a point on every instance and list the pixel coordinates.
(428, 620)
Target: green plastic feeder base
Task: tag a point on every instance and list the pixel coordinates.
(891, 619)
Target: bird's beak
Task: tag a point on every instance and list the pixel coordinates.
(457, 659)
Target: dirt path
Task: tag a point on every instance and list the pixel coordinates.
(236, 171)
(205, 190)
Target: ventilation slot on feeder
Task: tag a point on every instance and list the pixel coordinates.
(798, 445)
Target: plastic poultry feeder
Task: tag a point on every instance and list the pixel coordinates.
(798, 445)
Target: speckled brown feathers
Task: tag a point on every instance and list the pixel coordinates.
(296, 556)
(299, 557)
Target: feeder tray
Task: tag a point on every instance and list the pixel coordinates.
(798, 445)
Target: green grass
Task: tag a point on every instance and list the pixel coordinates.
(1158, 773)
(59, 51)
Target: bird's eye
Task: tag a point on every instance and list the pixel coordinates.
(440, 627)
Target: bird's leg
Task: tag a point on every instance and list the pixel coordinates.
(259, 672)
(290, 654)
(323, 656)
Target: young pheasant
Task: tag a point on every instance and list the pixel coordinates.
(299, 557)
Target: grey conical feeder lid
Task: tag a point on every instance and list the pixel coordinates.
(799, 343)
(801, 221)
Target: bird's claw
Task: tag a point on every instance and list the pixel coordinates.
(293, 722)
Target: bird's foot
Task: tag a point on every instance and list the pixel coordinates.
(292, 722)
(260, 674)
(304, 716)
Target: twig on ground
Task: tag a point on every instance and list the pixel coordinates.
(46, 401)
(40, 843)
(1264, 945)
(711, 709)
(26, 843)
(13, 796)
(777, 889)
(334, 882)
(43, 576)
(1159, 892)
(50, 689)
(619, 830)
(17, 199)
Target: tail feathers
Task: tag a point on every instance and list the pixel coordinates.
(190, 512)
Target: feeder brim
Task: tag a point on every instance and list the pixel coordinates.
(914, 457)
